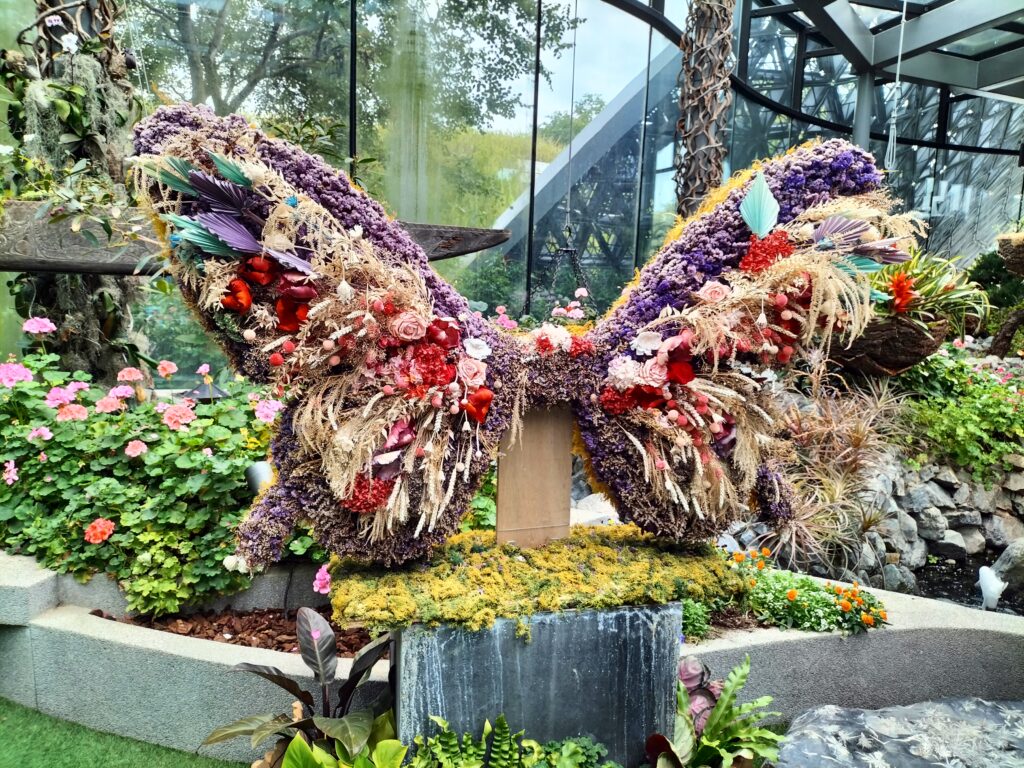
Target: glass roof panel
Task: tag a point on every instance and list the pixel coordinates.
(872, 17)
(981, 42)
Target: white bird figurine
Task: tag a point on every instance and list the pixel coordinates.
(991, 587)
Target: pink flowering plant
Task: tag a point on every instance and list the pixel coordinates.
(168, 474)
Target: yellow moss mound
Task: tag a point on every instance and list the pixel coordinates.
(472, 581)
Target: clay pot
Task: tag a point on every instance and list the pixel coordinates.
(890, 346)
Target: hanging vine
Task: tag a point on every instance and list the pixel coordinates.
(704, 101)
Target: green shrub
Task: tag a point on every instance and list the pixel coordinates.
(789, 600)
(174, 507)
(1004, 288)
(696, 619)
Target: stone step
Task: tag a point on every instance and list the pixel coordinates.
(26, 590)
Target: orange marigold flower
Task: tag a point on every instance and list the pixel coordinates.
(753, 582)
(765, 552)
(791, 595)
(859, 600)
(753, 554)
(845, 606)
(739, 556)
(868, 619)
(883, 615)
(760, 565)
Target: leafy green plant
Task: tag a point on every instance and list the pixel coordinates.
(483, 509)
(789, 600)
(498, 747)
(339, 735)
(174, 506)
(696, 619)
(1004, 288)
(731, 731)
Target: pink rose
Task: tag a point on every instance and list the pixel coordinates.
(135, 448)
(166, 369)
(472, 372)
(121, 391)
(38, 325)
(178, 416)
(42, 433)
(108, 404)
(408, 326)
(652, 373)
(129, 374)
(72, 412)
(713, 292)
(12, 373)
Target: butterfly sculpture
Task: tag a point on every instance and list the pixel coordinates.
(399, 393)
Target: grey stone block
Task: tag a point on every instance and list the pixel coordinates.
(26, 589)
(610, 674)
(100, 592)
(962, 516)
(931, 524)
(155, 686)
(288, 586)
(951, 545)
(974, 539)
(17, 680)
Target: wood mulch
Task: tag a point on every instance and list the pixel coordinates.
(271, 629)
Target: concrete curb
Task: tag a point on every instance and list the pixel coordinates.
(142, 683)
(932, 650)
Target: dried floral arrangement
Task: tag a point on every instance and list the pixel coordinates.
(399, 393)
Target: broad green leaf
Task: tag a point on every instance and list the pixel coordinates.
(760, 209)
(389, 754)
(243, 727)
(7, 96)
(299, 755)
(62, 108)
(353, 730)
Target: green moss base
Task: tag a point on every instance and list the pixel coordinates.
(471, 581)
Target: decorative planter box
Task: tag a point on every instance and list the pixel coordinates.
(610, 674)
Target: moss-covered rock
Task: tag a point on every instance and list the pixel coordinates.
(471, 581)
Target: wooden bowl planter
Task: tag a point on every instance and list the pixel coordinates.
(890, 346)
(1011, 249)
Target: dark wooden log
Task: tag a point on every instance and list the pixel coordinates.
(1004, 337)
(890, 346)
(29, 243)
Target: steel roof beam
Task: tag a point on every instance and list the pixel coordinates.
(942, 25)
(1002, 69)
(841, 24)
(935, 68)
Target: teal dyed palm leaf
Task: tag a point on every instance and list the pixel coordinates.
(230, 170)
(760, 209)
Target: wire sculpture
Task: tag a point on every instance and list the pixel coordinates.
(704, 100)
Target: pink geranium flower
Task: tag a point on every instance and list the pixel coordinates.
(129, 374)
(322, 581)
(266, 410)
(203, 369)
(10, 472)
(76, 386)
(39, 325)
(108, 404)
(99, 530)
(12, 373)
(582, 293)
(58, 396)
(166, 369)
(207, 451)
(178, 416)
(43, 433)
(121, 391)
(43, 456)
(72, 412)
(135, 448)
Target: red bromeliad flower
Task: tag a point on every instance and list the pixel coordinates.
(99, 530)
(239, 298)
(901, 286)
(368, 495)
(761, 254)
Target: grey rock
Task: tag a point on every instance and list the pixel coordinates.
(916, 556)
(961, 516)
(877, 543)
(1014, 460)
(1010, 566)
(928, 471)
(868, 562)
(899, 578)
(26, 589)
(931, 524)
(617, 668)
(947, 478)
(974, 539)
(927, 495)
(580, 482)
(914, 736)
(595, 509)
(1001, 529)
(1017, 504)
(951, 546)
(908, 526)
(1002, 501)
(1014, 482)
(984, 498)
(879, 484)
(962, 494)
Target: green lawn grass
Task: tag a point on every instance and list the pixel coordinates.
(29, 739)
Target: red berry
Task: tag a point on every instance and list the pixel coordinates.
(277, 359)
(288, 347)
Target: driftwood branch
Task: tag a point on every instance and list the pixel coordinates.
(1003, 339)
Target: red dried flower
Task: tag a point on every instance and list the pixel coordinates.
(290, 314)
(239, 298)
(617, 403)
(368, 495)
(478, 404)
(580, 346)
(761, 254)
(99, 530)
